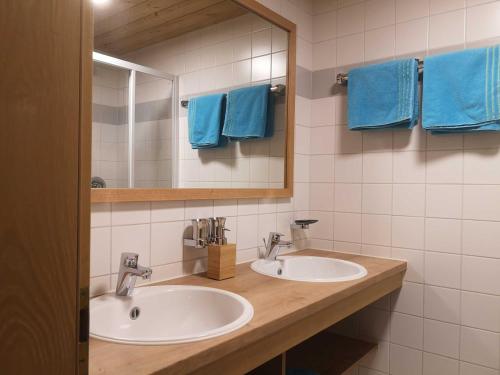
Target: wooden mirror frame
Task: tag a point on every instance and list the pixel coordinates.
(164, 194)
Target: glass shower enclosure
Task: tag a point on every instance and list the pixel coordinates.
(134, 125)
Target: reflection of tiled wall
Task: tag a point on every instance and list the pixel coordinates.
(433, 200)
(109, 129)
(155, 229)
(239, 52)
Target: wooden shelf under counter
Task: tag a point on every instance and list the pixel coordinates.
(286, 313)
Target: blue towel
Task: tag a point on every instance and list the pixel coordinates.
(249, 113)
(462, 91)
(383, 95)
(205, 119)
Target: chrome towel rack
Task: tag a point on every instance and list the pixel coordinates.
(342, 78)
(276, 89)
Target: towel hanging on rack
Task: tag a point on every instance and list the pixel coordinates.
(383, 96)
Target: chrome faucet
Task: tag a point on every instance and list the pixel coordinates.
(274, 244)
(129, 270)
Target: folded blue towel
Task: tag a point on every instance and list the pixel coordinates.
(249, 113)
(383, 95)
(205, 120)
(462, 91)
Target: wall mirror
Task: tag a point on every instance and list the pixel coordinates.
(151, 58)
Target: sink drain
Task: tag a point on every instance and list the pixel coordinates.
(134, 313)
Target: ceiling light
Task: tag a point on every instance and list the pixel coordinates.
(100, 2)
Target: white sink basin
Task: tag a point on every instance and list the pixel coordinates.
(167, 314)
(309, 268)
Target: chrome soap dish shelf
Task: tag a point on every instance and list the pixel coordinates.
(303, 224)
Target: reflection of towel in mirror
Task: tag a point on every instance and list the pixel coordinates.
(205, 120)
(249, 113)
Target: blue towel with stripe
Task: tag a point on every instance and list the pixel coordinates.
(383, 96)
(461, 91)
(205, 120)
(249, 113)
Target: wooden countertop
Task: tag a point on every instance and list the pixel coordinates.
(278, 305)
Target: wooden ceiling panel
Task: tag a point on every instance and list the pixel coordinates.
(135, 24)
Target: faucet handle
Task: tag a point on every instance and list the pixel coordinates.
(129, 260)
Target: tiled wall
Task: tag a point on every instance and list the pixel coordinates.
(239, 52)
(109, 129)
(155, 230)
(433, 200)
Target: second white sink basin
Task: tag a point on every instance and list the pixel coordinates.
(309, 268)
(167, 314)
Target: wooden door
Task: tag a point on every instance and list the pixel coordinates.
(44, 186)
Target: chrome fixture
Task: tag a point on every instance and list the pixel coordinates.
(276, 89)
(303, 224)
(207, 232)
(129, 270)
(97, 183)
(342, 78)
(274, 244)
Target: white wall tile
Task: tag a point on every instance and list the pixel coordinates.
(324, 54)
(166, 242)
(482, 21)
(347, 227)
(321, 196)
(377, 198)
(447, 29)
(130, 238)
(442, 304)
(350, 49)
(481, 311)
(471, 369)
(439, 365)
(480, 166)
(411, 36)
(377, 167)
(376, 229)
(379, 13)
(444, 201)
(100, 215)
(348, 168)
(408, 199)
(409, 167)
(167, 211)
(130, 213)
(481, 202)
(441, 6)
(408, 232)
(407, 330)
(409, 299)
(443, 235)
(481, 238)
(480, 347)
(380, 43)
(100, 251)
(347, 198)
(408, 9)
(350, 20)
(442, 269)
(444, 167)
(481, 275)
(405, 361)
(322, 140)
(324, 26)
(441, 338)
